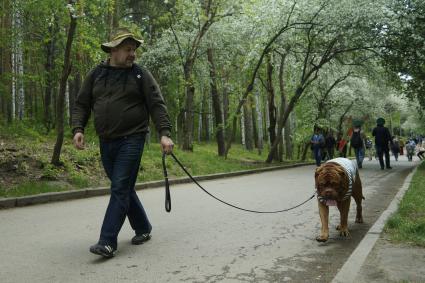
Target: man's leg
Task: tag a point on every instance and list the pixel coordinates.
(387, 158)
(380, 153)
(126, 154)
(136, 213)
(317, 156)
(361, 157)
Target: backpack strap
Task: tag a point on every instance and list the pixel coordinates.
(138, 73)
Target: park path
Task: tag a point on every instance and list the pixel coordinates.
(201, 240)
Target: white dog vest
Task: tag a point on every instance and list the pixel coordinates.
(350, 168)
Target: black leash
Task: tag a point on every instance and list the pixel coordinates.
(168, 196)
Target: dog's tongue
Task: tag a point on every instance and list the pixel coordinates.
(330, 202)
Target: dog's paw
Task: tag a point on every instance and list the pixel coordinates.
(359, 219)
(344, 233)
(321, 239)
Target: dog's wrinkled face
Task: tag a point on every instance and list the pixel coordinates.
(331, 181)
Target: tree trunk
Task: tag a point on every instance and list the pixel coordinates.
(226, 104)
(113, 17)
(306, 147)
(249, 136)
(5, 55)
(62, 88)
(205, 118)
(259, 116)
(49, 67)
(218, 115)
(180, 123)
(75, 86)
(282, 120)
(188, 109)
(189, 61)
(19, 95)
(243, 127)
(271, 103)
(288, 140)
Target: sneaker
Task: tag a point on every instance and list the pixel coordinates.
(140, 239)
(103, 250)
(389, 167)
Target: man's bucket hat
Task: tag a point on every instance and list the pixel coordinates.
(118, 37)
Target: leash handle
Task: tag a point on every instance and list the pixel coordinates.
(167, 185)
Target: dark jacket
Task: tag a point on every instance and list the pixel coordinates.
(382, 136)
(119, 108)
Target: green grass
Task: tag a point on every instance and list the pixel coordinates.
(407, 225)
(203, 160)
(83, 168)
(32, 188)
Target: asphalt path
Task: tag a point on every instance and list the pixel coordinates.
(201, 240)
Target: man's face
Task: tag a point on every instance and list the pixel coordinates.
(124, 54)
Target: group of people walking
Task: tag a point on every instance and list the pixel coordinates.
(324, 148)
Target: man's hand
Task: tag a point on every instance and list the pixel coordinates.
(166, 145)
(79, 140)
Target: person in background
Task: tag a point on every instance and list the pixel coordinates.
(382, 141)
(330, 145)
(420, 150)
(395, 148)
(401, 141)
(357, 142)
(317, 141)
(369, 148)
(410, 149)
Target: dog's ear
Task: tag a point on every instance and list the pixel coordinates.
(316, 174)
(344, 181)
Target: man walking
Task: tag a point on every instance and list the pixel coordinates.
(382, 139)
(317, 142)
(357, 142)
(122, 95)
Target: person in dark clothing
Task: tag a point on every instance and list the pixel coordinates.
(357, 142)
(330, 145)
(121, 106)
(395, 148)
(382, 140)
(317, 141)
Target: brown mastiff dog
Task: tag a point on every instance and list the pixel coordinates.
(337, 181)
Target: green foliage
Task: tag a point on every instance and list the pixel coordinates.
(408, 224)
(404, 39)
(78, 180)
(353, 31)
(203, 160)
(50, 172)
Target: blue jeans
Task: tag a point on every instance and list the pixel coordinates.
(121, 160)
(359, 156)
(317, 155)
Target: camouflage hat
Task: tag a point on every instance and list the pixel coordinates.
(118, 37)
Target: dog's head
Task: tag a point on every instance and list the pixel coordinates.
(331, 181)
